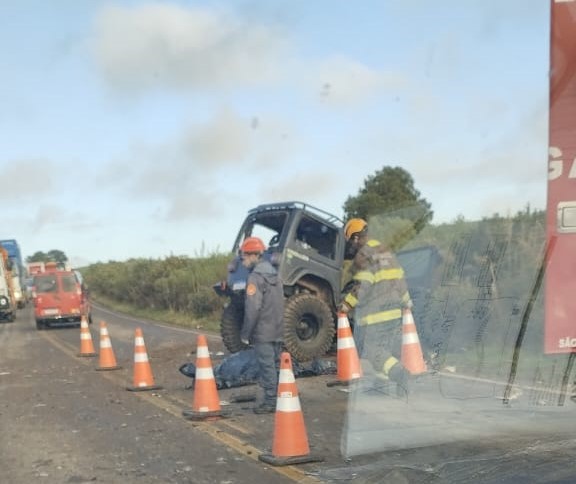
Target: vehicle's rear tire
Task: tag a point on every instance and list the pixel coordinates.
(309, 327)
(40, 325)
(230, 326)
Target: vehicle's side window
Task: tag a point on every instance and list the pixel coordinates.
(314, 235)
(69, 283)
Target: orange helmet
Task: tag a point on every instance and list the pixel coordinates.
(353, 226)
(252, 245)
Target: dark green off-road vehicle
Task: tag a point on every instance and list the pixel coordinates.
(307, 246)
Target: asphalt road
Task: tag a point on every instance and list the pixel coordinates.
(61, 421)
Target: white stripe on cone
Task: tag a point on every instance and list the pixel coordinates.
(204, 374)
(139, 341)
(202, 352)
(345, 343)
(288, 404)
(286, 376)
(105, 343)
(410, 338)
(140, 358)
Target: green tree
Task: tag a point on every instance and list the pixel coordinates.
(38, 256)
(53, 255)
(57, 256)
(390, 194)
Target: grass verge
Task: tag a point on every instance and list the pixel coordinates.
(211, 324)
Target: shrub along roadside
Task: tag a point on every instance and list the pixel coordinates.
(176, 289)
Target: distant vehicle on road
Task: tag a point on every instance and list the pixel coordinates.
(59, 299)
(16, 269)
(7, 301)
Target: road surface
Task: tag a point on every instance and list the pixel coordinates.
(62, 421)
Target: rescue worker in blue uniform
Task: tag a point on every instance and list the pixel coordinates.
(377, 293)
(263, 325)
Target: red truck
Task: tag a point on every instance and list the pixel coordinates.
(560, 280)
(59, 298)
(35, 268)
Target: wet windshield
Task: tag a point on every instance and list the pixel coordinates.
(410, 167)
(69, 283)
(47, 283)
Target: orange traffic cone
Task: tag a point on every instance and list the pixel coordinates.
(143, 378)
(290, 444)
(206, 402)
(347, 361)
(107, 359)
(86, 344)
(412, 358)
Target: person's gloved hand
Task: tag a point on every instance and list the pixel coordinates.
(343, 308)
(245, 341)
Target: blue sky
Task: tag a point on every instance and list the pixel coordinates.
(144, 129)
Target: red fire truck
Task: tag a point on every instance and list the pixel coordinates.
(560, 267)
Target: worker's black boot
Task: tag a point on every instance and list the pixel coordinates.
(400, 376)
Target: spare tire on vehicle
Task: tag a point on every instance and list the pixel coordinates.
(309, 327)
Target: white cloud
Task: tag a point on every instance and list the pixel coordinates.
(344, 81)
(227, 138)
(194, 204)
(55, 216)
(27, 179)
(185, 176)
(306, 186)
(163, 45)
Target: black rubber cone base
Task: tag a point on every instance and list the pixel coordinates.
(342, 383)
(247, 397)
(288, 461)
(108, 368)
(143, 389)
(193, 415)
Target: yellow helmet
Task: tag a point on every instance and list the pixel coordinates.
(353, 226)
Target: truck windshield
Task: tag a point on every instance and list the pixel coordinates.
(46, 283)
(69, 283)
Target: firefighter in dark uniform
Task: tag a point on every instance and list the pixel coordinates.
(263, 325)
(377, 294)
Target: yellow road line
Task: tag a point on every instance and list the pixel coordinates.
(213, 429)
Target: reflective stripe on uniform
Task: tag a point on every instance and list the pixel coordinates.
(381, 317)
(351, 300)
(389, 364)
(364, 276)
(388, 275)
(372, 243)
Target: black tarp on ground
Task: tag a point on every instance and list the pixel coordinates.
(240, 369)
